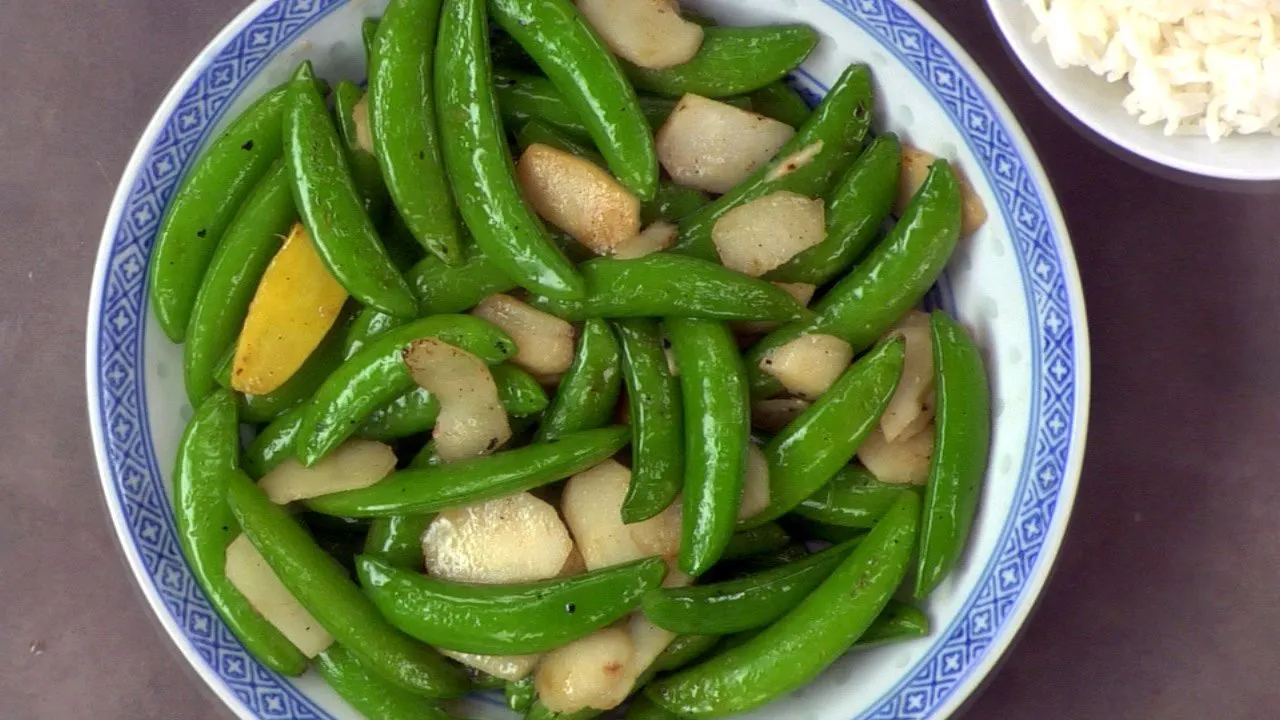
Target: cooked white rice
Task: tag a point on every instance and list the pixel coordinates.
(1205, 67)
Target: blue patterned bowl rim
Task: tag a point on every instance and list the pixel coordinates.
(1009, 583)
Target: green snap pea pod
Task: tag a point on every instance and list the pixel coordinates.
(657, 109)
(856, 209)
(793, 650)
(429, 489)
(589, 390)
(586, 73)
(811, 449)
(769, 537)
(854, 498)
(731, 61)
(661, 285)
(683, 651)
(657, 422)
(416, 410)
(760, 562)
(537, 132)
(962, 438)
(839, 124)
(427, 457)
(274, 444)
(897, 622)
(717, 428)
(206, 457)
(368, 693)
(445, 288)
(330, 206)
(891, 280)
(364, 166)
(479, 161)
(323, 588)
(302, 384)
(368, 324)
(514, 619)
(812, 530)
(402, 120)
(520, 695)
(778, 101)
(754, 601)
(519, 392)
(205, 204)
(672, 203)
(376, 375)
(397, 539)
(248, 245)
(368, 38)
(642, 708)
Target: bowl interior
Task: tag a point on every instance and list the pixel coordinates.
(1014, 284)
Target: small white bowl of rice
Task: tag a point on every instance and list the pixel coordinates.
(1192, 85)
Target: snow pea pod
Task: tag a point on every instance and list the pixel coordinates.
(589, 78)
(731, 61)
(351, 116)
(854, 498)
(248, 245)
(811, 449)
(509, 619)
(891, 280)
(769, 537)
(331, 207)
(717, 428)
(323, 588)
(778, 101)
(376, 375)
(834, 135)
(962, 439)
(657, 423)
(368, 693)
(856, 209)
(206, 457)
(205, 204)
(589, 390)
(746, 603)
(416, 410)
(428, 489)
(663, 285)
(402, 121)
(397, 539)
(793, 650)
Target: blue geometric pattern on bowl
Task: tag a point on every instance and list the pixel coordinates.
(137, 481)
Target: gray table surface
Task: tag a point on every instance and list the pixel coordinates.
(1164, 600)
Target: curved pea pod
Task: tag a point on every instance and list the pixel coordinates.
(657, 422)
(807, 164)
(893, 278)
(376, 375)
(331, 207)
(642, 708)
(795, 649)
(813, 531)
(672, 203)
(589, 389)
(577, 62)
(520, 695)
(323, 588)
(811, 449)
(854, 498)
(274, 444)
(368, 693)
(731, 61)
(205, 204)
(206, 458)
(368, 38)
(743, 604)
(537, 132)
(663, 285)
(519, 619)
(303, 383)
(397, 539)
(250, 241)
(766, 538)
(855, 210)
(416, 410)
(897, 622)
(961, 443)
(778, 101)
(351, 110)
(683, 651)
(368, 324)
(433, 488)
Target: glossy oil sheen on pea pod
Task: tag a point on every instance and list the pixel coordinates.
(323, 588)
(586, 73)
(368, 692)
(429, 489)
(364, 166)
(251, 240)
(589, 390)
(376, 375)
(766, 538)
(664, 285)
(206, 202)
(368, 324)
(657, 421)
(397, 539)
(961, 443)
(672, 203)
(416, 410)
(274, 444)
(778, 101)
(537, 132)
(854, 498)
(792, 651)
(717, 427)
(834, 135)
(206, 458)
(330, 206)
(683, 651)
(402, 120)
(523, 97)
(889, 281)
(479, 162)
(896, 623)
(731, 61)
(454, 288)
(811, 449)
(516, 619)
(520, 694)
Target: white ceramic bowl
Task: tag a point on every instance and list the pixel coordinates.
(1014, 283)
(1096, 103)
